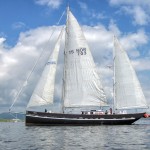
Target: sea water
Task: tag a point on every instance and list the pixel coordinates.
(17, 136)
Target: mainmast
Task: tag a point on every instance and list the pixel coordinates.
(63, 84)
(114, 109)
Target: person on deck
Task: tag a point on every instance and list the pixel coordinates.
(106, 112)
(110, 110)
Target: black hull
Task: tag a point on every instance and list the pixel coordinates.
(51, 119)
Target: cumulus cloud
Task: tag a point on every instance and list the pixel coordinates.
(114, 28)
(131, 41)
(55, 4)
(17, 62)
(91, 12)
(142, 64)
(138, 13)
(83, 6)
(2, 41)
(139, 10)
(140, 16)
(129, 2)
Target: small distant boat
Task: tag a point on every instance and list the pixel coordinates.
(16, 120)
(82, 86)
(15, 116)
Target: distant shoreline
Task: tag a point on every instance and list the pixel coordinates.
(10, 120)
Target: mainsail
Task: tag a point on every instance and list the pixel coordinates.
(82, 86)
(127, 89)
(44, 91)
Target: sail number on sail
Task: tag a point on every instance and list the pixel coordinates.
(51, 62)
(79, 51)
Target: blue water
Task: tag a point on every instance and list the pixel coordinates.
(17, 136)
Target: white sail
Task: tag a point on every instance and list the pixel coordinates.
(127, 89)
(82, 86)
(44, 91)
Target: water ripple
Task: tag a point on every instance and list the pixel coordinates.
(19, 137)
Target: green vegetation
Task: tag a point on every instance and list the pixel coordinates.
(6, 120)
(9, 120)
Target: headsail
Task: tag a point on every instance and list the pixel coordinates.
(82, 86)
(127, 89)
(44, 91)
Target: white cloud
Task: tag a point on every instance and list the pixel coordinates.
(130, 2)
(50, 3)
(139, 15)
(91, 12)
(18, 25)
(142, 64)
(98, 15)
(83, 6)
(17, 62)
(113, 27)
(132, 41)
(2, 40)
(139, 10)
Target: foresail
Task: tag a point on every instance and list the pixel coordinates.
(127, 89)
(82, 86)
(44, 91)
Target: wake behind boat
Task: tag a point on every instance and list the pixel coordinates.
(82, 86)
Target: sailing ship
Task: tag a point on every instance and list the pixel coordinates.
(82, 86)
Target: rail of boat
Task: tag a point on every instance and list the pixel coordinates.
(85, 115)
(86, 118)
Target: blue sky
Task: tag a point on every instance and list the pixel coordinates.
(21, 15)
(26, 25)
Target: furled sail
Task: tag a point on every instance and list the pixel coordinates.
(82, 86)
(127, 89)
(44, 91)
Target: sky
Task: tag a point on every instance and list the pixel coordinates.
(26, 27)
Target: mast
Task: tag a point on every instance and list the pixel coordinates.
(114, 82)
(63, 87)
